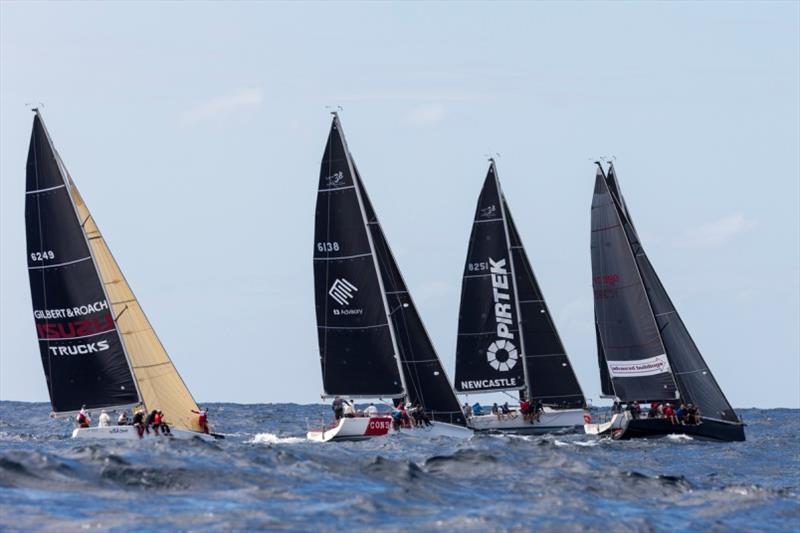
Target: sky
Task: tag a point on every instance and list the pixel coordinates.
(195, 132)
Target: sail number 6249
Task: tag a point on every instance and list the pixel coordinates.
(42, 256)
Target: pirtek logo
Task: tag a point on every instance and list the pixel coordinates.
(501, 355)
(342, 291)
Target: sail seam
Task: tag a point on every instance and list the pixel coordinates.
(488, 220)
(354, 327)
(59, 264)
(336, 189)
(342, 257)
(37, 191)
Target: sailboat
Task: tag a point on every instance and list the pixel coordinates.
(644, 350)
(372, 341)
(507, 340)
(98, 348)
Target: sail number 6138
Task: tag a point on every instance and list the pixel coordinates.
(328, 246)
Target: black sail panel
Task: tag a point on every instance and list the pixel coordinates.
(489, 348)
(550, 375)
(82, 354)
(425, 378)
(635, 356)
(695, 381)
(355, 343)
(606, 387)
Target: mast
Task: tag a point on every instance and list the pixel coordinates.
(520, 318)
(374, 257)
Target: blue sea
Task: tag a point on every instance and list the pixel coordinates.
(264, 475)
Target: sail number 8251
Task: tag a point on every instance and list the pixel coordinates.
(42, 256)
(328, 246)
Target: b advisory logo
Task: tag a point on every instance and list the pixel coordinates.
(342, 291)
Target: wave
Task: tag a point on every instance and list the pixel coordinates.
(271, 438)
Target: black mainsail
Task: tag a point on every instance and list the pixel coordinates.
(83, 356)
(371, 338)
(694, 379)
(97, 345)
(635, 356)
(506, 337)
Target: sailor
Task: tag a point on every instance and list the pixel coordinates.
(138, 422)
(162, 423)
(202, 418)
(681, 413)
(467, 409)
(338, 408)
(420, 416)
(525, 409)
(496, 411)
(670, 413)
(538, 409)
(507, 412)
(477, 410)
(156, 421)
(148, 421)
(103, 419)
(82, 418)
(653, 412)
(636, 410)
(371, 411)
(123, 419)
(349, 410)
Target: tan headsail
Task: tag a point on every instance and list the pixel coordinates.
(160, 385)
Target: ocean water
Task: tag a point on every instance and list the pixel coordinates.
(266, 476)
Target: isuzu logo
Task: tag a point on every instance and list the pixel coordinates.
(342, 291)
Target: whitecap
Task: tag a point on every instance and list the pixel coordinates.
(271, 438)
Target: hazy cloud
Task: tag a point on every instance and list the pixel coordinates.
(426, 115)
(221, 106)
(717, 233)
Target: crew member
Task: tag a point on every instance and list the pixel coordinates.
(202, 419)
(103, 419)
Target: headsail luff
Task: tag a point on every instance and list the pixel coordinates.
(551, 377)
(356, 341)
(633, 349)
(489, 349)
(425, 378)
(695, 381)
(82, 353)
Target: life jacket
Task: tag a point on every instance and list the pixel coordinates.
(157, 419)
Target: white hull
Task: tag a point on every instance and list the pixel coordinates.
(549, 421)
(617, 422)
(130, 433)
(357, 428)
(436, 429)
